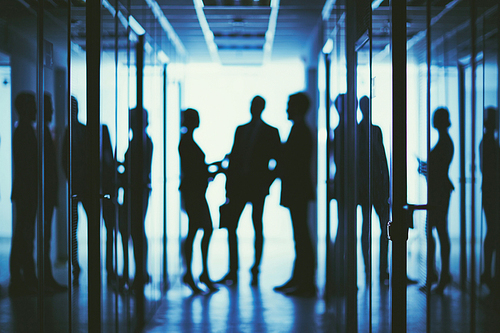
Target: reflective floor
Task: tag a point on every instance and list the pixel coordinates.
(243, 308)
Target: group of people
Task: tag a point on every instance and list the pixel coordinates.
(135, 180)
(256, 159)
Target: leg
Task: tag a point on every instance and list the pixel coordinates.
(305, 263)
(109, 215)
(365, 238)
(491, 215)
(383, 215)
(257, 212)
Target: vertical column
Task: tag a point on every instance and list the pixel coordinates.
(350, 195)
(165, 271)
(329, 148)
(40, 121)
(93, 43)
(399, 229)
(463, 225)
(473, 18)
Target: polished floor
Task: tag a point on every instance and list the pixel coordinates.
(244, 308)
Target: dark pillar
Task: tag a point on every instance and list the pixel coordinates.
(93, 44)
(399, 228)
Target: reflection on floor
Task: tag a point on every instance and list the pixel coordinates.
(243, 308)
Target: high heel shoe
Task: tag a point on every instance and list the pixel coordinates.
(443, 282)
(187, 279)
(206, 280)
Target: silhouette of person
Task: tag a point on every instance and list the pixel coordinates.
(373, 151)
(335, 273)
(439, 189)
(23, 279)
(294, 169)
(50, 199)
(137, 180)
(79, 177)
(79, 168)
(489, 154)
(248, 180)
(194, 181)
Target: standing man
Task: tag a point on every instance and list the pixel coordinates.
(249, 177)
(23, 280)
(294, 169)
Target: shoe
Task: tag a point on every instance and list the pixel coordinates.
(443, 282)
(255, 276)
(302, 291)
(229, 279)
(187, 279)
(205, 279)
(290, 285)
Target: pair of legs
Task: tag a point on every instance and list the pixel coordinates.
(22, 263)
(109, 215)
(383, 214)
(302, 280)
(136, 231)
(199, 218)
(490, 241)
(237, 206)
(437, 218)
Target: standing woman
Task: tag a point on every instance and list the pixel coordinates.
(439, 189)
(194, 182)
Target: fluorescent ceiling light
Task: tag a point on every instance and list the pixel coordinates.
(163, 57)
(328, 47)
(199, 3)
(327, 9)
(376, 4)
(271, 30)
(136, 26)
(207, 33)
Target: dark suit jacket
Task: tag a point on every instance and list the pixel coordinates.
(294, 167)
(255, 143)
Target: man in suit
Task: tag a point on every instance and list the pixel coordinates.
(248, 180)
(294, 169)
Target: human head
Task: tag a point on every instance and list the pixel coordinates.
(298, 105)
(441, 119)
(340, 104)
(364, 105)
(48, 110)
(190, 119)
(25, 104)
(257, 106)
(134, 118)
(491, 120)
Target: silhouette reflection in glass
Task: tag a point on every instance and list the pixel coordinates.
(249, 177)
(79, 191)
(372, 151)
(194, 181)
(335, 272)
(489, 154)
(439, 189)
(79, 177)
(294, 169)
(136, 181)
(50, 198)
(23, 280)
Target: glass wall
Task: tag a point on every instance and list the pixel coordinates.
(77, 251)
(451, 97)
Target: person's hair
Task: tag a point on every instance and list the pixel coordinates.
(364, 104)
(339, 103)
(134, 117)
(491, 118)
(301, 101)
(24, 100)
(190, 118)
(441, 118)
(258, 104)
